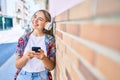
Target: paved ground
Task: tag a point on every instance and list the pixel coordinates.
(7, 70)
(6, 51)
(8, 41)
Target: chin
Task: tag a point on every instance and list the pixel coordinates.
(35, 26)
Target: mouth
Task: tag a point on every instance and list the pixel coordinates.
(35, 24)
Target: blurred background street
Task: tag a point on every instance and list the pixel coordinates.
(14, 19)
(86, 33)
(8, 43)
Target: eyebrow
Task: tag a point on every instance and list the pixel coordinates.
(38, 17)
(41, 18)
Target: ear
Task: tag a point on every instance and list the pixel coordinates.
(48, 25)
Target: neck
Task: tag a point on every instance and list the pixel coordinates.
(38, 33)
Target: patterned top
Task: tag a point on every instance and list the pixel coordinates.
(50, 48)
(49, 42)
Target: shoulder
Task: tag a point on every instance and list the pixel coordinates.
(26, 35)
(50, 37)
(24, 38)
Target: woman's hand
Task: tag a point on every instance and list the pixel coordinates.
(29, 54)
(49, 63)
(21, 61)
(40, 54)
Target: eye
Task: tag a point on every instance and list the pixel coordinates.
(41, 19)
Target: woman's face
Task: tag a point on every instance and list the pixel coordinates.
(38, 21)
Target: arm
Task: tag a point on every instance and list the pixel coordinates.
(20, 58)
(49, 63)
(21, 61)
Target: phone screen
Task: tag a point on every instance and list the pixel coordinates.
(35, 49)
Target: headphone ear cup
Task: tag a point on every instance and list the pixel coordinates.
(48, 26)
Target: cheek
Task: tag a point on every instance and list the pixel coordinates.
(42, 24)
(32, 21)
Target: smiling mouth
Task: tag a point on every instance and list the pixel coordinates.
(35, 24)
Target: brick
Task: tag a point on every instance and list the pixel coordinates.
(61, 49)
(72, 57)
(82, 10)
(108, 7)
(106, 34)
(58, 26)
(69, 60)
(61, 73)
(63, 16)
(84, 51)
(68, 75)
(63, 27)
(66, 62)
(58, 53)
(67, 40)
(59, 34)
(67, 66)
(57, 44)
(86, 72)
(108, 67)
(73, 29)
(73, 74)
(57, 71)
(61, 59)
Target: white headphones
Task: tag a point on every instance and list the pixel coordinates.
(48, 26)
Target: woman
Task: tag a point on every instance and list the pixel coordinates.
(34, 65)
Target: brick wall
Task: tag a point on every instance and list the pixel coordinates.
(88, 41)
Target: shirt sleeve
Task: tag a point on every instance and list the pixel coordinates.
(52, 47)
(22, 41)
(19, 49)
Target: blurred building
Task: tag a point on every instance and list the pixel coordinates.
(13, 13)
(22, 12)
(6, 20)
(41, 3)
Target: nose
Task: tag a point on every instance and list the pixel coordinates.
(36, 19)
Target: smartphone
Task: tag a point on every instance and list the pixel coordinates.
(36, 49)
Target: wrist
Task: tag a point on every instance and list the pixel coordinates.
(26, 57)
(43, 57)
